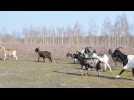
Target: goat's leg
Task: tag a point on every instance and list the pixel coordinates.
(53, 60)
(133, 73)
(81, 71)
(50, 59)
(118, 76)
(109, 67)
(86, 71)
(38, 59)
(124, 68)
(5, 57)
(98, 74)
(105, 67)
(74, 61)
(16, 58)
(44, 60)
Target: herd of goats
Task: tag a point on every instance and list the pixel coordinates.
(88, 59)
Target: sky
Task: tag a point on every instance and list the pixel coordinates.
(15, 21)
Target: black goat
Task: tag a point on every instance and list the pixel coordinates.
(74, 56)
(89, 63)
(114, 59)
(69, 55)
(43, 54)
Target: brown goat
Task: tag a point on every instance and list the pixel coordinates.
(43, 54)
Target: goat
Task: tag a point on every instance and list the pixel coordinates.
(74, 56)
(114, 59)
(126, 60)
(69, 55)
(104, 59)
(9, 53)
(88, 63)
(87, 52)
(43, 54)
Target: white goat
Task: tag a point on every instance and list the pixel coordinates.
(126, 60)
(104, 59)
(9, 53)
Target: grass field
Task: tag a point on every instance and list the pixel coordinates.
(30, 74)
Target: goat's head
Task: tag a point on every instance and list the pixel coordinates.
(37, 50)
(117, 55)
(68, 54)
(110, 51)
(87, 50)
(116, 52)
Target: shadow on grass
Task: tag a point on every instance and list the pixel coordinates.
(76, 74)
(1, 59)
(101, 76)
(41, 61)
(91, 69)
(71, 63)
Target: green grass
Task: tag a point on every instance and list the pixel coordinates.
(24, 74)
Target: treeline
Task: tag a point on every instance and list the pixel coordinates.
(111, 35)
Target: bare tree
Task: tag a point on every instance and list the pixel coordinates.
(106, 32)
(92, 32)
(76, 30)
(121, 29)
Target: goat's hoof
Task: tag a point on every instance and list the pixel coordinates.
(118, 76)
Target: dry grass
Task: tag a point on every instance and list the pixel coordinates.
(30, 74)
(27, 73)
